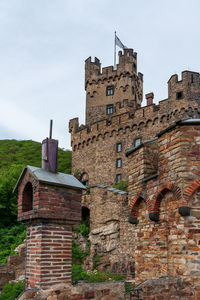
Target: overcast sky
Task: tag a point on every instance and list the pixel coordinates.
(44, 43)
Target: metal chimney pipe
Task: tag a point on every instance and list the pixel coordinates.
(50, 153)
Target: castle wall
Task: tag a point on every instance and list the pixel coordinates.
(165, 206)
(110, 232)
(94, 147)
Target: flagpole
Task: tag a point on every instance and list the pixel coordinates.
(115, 52)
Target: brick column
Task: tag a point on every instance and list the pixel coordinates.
(49, 257)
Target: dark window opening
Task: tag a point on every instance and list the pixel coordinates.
(27, 198)
(137, 142)
(109, 109)
(134, 66)
(118, 163)
(179, 95)
(86, 183)
(110, 90)
(192, 78)
(85, 213)
(108, 122)
(119, 147)
(118, 178)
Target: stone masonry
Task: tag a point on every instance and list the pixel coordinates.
(154, 228)
(94, 145)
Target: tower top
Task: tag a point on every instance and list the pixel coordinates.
(127, 63)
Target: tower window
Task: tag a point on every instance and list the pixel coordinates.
(119, 147)
(118, 163)
(110, 90)
(118, 177)
(137, 142)
(179, 95)
(109, 109)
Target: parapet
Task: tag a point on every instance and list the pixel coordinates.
(187, 87)
(127, 64)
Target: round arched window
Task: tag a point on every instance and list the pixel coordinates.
(27, 200)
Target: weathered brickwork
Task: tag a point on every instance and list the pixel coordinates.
(49, 211)
(165, 208)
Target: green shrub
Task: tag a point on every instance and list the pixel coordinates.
(122, 185)
(78, 255)
(12, 290)
(96, 259)
(78, 273)
(94, 276)
(129, 286)
(83, 229)
(10, 238)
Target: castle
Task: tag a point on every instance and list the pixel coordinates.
(115, 120)
(150, 233)
(153, 229)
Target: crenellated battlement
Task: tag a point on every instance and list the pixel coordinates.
(187, 87)
(126, 67)
(151, 118)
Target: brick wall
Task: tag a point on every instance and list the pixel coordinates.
(166, 235)
(48, 259)
(49, 219)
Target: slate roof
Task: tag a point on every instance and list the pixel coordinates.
(59, 179)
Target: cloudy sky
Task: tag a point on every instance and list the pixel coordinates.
(43, 45)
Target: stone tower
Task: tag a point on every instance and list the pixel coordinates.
(106, 88)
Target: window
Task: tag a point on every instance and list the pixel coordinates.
(110, 90)
(137, 142)
(118, 177)
(119, 147)
(108, 122)
(109, 109)
(179, 95)
(27, 198)
(118, 163)
(85, 183)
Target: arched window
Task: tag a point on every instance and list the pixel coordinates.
(27, 198)
(85, 179)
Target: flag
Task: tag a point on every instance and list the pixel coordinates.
(119, 43)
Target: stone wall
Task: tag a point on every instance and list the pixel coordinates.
(81, 291)
(110, 231)
(166, 288)
(97, 142)
(15, 267)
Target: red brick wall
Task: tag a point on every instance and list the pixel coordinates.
(48, 259)
(169, 246)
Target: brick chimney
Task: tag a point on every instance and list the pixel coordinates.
(149, 98)
(49, 204)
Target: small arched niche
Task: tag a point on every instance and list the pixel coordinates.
(27, 197)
